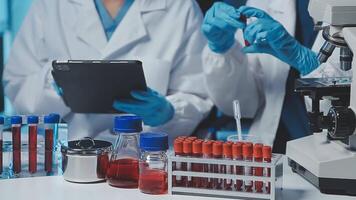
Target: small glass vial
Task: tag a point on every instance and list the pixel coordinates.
(32, 122)
(16, 122)
(123, 171)
(49, 123)
(2, 120)
(153, 163)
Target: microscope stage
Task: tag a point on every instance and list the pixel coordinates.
(330, 166)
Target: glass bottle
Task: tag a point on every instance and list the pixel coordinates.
(123, 171)
(153, 163)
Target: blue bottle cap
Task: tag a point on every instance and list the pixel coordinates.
(16, 120)
(32, 119)
(2, 120)
(56, 117)
(49, 119)
(154, 141)
(128, 124)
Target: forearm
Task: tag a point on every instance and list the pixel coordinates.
(228, 77)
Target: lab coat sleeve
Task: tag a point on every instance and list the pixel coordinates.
(27, 79)
(231, 76)
(186, 90)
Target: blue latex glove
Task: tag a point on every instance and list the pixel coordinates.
(154, 108)
(220, 25)
(266, 35)
(58, 89)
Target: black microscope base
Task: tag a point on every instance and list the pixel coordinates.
(325, 185)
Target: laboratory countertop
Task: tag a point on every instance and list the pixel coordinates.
(56, 188)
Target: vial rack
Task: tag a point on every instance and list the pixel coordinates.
(275, 180)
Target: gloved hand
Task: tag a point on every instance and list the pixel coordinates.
(154, 108)
(220, 25)
(266, 35)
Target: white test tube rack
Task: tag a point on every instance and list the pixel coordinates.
(276, 166)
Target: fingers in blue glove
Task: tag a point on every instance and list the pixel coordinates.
(253, 12)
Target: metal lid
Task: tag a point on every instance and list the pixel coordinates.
(86, 146)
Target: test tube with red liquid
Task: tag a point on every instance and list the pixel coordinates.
(258, 171)
(267, 157)
(178, 151)
(16, 122)
(217, 154)
(239, 170)
(32, 122)
(49, 134)
(227, 169)
(207, 168)
(197, 167)
(2, 120)
(187, 152)
(247, 153)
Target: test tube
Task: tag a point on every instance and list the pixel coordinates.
(227, 169)
(187, 151)
(16, 122)
(217, 154)
(267, 157)
(32, 122)
(258, 171)
(178, 151)
(247, 153)
(243, 18)
(239, 170)
(197, 167)
(207, 168)
(49, 128)
(237, 116)
(2, 120)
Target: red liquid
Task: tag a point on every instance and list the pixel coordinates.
(217, 182)
(258, 171)
(16, 148)
(0, 156)
(103, 164)
(227, 169)
(239, 170)
(248, 172)
(123, 173)
(197, 167)
(153, 181)
(243, 18)
(206, 182)
(177, 180)
(48, 150)
(32, 149)
(186, 181)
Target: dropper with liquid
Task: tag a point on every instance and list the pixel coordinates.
(237, 116)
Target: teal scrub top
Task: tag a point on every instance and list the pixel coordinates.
(110, 24)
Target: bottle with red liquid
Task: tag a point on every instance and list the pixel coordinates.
(178, 151)
(153, 177)
(207, 168)
(217, 154)
(227, 169)
(16, 122)
(197, 167)
(239, 170)
(2, 120)
(49, 125)
(247, 153)
(187, 166)
(123, 171)
(267, 157)
(32, 122)
(258, 171)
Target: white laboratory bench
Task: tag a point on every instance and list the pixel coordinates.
(55, 188)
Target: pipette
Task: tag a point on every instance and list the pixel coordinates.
(237, 115)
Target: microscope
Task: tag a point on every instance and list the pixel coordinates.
(327, 159)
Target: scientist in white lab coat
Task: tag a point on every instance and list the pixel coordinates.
(163, 34)
(261, 76)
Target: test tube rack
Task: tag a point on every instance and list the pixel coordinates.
(275, 180)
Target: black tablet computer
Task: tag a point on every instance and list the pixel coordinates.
(91, 86)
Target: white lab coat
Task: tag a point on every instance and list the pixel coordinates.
(258, 81)
(163, 34)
